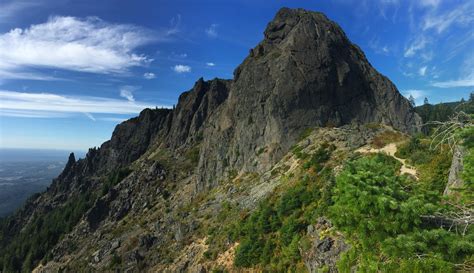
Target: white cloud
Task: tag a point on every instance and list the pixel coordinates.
(427, 55)
(90, 116)
(417, 45)
(175, 24)
(378, 47)
(430, 3)
(113, 119)
(31, 114)
(210, 64)
(149, 75)
(467, 75)
(462, 15)
(179, 68)
(211, 31)
(417, 94)
(422, 71)
(18, 104)
(127, 92)
(70, 43)
(467, 81)
(181, 55)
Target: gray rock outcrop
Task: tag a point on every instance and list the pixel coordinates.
(454, 179)
(305, 73)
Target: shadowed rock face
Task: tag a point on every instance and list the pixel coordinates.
(194, 108)
(305, 73)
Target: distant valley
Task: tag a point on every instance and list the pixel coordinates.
(24, 172)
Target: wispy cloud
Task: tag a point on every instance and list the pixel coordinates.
(467, 75)
(211, 31)
(127, 92)
(179, 55)
(77, 44)
(179, 68)
(422, 71)
(467, 81)
(175, 25)
(430, 3)
(31, 114)
(417, 45)
(149, 75)
(210, 64)
(90, 116)
(376, 46)
(21, 104)
(440, 21)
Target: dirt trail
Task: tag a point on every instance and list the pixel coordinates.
(390, 150)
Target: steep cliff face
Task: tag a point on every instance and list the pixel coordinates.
(193, 109)
(305, 73)
(129, 141)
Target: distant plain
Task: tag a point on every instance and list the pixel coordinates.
(24, 172)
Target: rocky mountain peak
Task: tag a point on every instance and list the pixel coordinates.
(286, 20)
(305, 73)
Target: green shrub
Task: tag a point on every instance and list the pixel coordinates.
(270, 236)
(114, 178)
(381, 215)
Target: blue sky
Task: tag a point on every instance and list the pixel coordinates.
(71, 70)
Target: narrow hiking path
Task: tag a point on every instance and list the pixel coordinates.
(390, 149)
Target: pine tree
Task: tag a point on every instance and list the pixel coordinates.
(412, 101)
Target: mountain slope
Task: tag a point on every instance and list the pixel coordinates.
(137, 195)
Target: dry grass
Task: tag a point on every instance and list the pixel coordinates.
(386, 137)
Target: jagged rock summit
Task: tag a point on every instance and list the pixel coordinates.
(305, 73)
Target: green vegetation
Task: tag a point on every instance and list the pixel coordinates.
(298, 151)
(384, 216)
(386, 137)
(381, 215)
(22, 251)
(443, 111)
(115, 261)
(271, 235)
(305, 133)
(33, 244)
(468, 169)
(432, 115)
(432, 164)
(317, 160)
(261, 150)
(114, 178)
(193, 155)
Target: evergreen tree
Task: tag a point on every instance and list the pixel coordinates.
(425, 102)
(412, 101)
